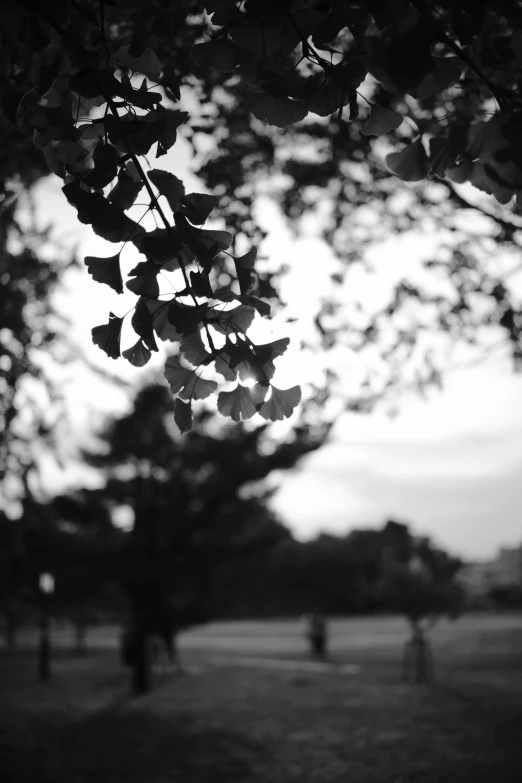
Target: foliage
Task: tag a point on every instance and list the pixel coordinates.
(31, 334)
(105, 78)
(197, 503)
(367, 571)
(420, 580)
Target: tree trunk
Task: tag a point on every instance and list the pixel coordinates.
(10, 634)
(80, 639)
(417, 666)
(141, 670)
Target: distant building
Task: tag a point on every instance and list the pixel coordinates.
(504, 571)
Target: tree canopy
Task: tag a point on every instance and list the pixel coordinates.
(433, 85)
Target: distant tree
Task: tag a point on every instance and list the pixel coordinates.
(197, 502)
(420, 582)
(17, 597)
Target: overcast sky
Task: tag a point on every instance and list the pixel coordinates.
(450, 466)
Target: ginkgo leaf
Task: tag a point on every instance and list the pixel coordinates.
(278, 111)
(90, 132)
(197, 388)
(186, 318)
(105, 159)
(237, 320)
(442, 156)
(159, 245)
(144, 281)
(246, 277)
(107, 336)
(410, 164)
(223, 366)
(176, 374)
(263, 308)
(107, 221)
(381, 121)
(71, 152)
(185, 382)
(183, 415)
(220, 53)
(238, 404)
(160, 320)
(138, 354)
(281, 403)
(147, 63)
(126, 191)
(261, 36)
(142, 324)
(200, 284)
(193, 349)
(197, 206)
(248, 259)
(214, 241)
(168, 185)
(106, 270)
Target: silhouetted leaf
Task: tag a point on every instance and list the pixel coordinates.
(200, 284)
(198, 388)
(160, 320)
(281, 403)
(106, 270)
(274, 110)
(106, 220)
(107, 337)
(248, 259)
(231, 321)
(138, 354)
(410, 164)
(381, 121)
(239, 404)
(185, 381)
(105, 159)
(186, 318)
(71, 152)
(170, 120)
(220, 53)
(168, 185)
(197, 206)
(159, 245)
(126, 191)
(147, 63)
(144, 281)
(261, 36)
(193, 349)
(170, 81)
(142, 324)
(183, 415)
(176, 374)
(223, 366)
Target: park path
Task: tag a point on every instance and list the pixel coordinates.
(312, 667)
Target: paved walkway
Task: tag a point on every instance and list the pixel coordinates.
(313, 667)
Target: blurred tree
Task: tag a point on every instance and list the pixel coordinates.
(197, 503)
(421, 582)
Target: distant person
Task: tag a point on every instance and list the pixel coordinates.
(316, 632)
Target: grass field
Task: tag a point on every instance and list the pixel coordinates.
(229, 721)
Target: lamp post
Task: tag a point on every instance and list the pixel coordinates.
(46, 587)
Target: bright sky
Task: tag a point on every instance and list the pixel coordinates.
(450, 466)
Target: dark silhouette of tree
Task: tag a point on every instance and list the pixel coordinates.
(198, 503)
(421, 582)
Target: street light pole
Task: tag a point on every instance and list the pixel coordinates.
(46, 586)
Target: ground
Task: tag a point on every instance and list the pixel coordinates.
(244, 712)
